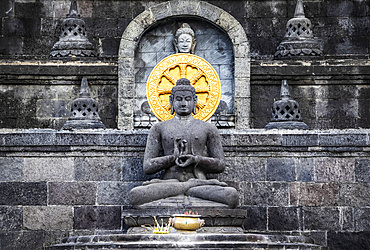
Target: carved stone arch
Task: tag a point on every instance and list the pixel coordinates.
(137, 27)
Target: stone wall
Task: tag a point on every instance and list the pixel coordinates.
(32, 27)
(332, 90)
(38, 94)
(331, 93)
(55, 184)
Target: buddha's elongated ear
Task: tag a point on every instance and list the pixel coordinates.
(175, 45)
(171, 104)
(195, 105)
(192, 49)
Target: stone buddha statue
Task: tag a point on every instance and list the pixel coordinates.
(187, 149)
(185, 39)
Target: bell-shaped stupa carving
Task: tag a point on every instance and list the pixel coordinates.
(73, 41)
(84, 111)
(299, 39)
(285, 112)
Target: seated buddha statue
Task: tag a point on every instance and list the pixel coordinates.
(186, 149)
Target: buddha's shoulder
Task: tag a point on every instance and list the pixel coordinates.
(173, 123)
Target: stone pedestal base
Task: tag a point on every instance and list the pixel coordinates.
(187, 241)
(286, 125)
(215, 217)
(83, 124)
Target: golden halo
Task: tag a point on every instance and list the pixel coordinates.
(201, 75)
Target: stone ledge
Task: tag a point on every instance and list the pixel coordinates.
(186, 241)
(252, 139)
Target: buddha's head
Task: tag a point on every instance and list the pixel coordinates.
(183, 99)
(184, 39)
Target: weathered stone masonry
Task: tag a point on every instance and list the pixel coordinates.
(55, 184)
(331, 93)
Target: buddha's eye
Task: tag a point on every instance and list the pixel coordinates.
(188, 98)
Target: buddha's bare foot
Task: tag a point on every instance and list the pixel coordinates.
(198, 182)
(152, 181)
(217, 182)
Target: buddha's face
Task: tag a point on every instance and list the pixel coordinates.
(184, 43)
(183, 102)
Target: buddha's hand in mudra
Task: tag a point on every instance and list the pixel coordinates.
(186, 160)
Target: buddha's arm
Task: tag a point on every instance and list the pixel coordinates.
(215, 162)
(154, 163)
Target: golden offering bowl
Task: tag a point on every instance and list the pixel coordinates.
(186, 222)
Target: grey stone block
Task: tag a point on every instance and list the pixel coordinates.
(284, 219)
(327, 218)
(133, 170)
(227, 21)
(125, 66)
(161, 10)
(314, 194)
(25, 240)
(97, 217)
(11, 218)
(334, 169)
(11, 169)
(55, 236)
(147, 59)
(72, 193)
(115, 193)
(48, 169)
(52, 108)
(300, 140)
(244, 169)
(305, 169)
(280, 169)
(48, 218)
(180, 7)
(224, 57)
(258, 140)
(363, 111)
(28, 139)
(98, 168)
(345, 8)
(226, 72)
(149, 45)
(356, 194)
(145, 18)
(266, 9)
(331, 140)
(110, 46)
(362, 219)
(72, 138)
(362, 170)
(209, 11)
(106, 27)
(208, 42)
(265, 193)
(348, 240)
(256, 219)
(23, 193)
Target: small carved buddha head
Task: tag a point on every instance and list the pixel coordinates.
(183, 99)
(184, 39)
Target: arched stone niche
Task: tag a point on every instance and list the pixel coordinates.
(180, 11)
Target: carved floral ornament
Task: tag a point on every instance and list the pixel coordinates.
(201, 75)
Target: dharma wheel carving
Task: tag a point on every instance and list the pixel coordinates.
(202, 76)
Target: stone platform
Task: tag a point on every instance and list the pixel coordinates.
(187, 241)
(214, 214)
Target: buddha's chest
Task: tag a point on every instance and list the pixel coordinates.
(188, 138)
